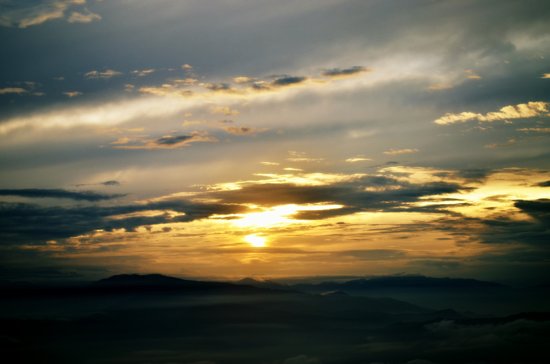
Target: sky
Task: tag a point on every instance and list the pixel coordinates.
(239, 138)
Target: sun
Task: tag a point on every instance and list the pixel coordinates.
(255, 240)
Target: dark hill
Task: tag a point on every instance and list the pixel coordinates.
(409, 282)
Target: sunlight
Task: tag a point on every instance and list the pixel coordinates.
(255, 241)
(279, 215)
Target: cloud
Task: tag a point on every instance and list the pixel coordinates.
(354, 194)
(510, 142)
(242, 130)
(24, 14)
(520, 111)
(472, 75)
(440, 86)
(108, 73)
(224, 110)
(243, 79)
(111, 182)
(345, 72)
(357, 159)
(83, 17)
(105, 114)
(12, 90)
(506, 228)
(400, 151)
(28, 223)
(288, 80)
(58, 193)
(165, 142)
(295, 156)
(219, 86)
(143, 72)
(534, 130)
(546, 76)
(72, 94)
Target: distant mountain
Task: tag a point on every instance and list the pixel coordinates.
(134, 280)
(136, 284)
(409, 282)
(263, 284)
(159, 282)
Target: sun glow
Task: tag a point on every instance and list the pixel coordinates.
(279, 215)
(255, 241)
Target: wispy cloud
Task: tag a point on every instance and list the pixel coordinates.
(108, 73)
(72, 94)
(534, 130)
(104, 114)
(224, 110)
(58, 193)
(164, 142)
(143, 72)
(12, 90)
(345, 72)
(472, 75)
(520, 111)
(85, 16)
(357, 159)
(242, 130)
(400, 151)
(24, 14)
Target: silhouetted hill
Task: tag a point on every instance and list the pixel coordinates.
(160, 283)
(399, 282)
(263, 284)
(136, 319)
(135, 284)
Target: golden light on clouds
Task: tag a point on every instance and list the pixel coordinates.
(279, 215)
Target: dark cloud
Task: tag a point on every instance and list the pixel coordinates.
(165, 142)
(26, 223)
(221, 86)
(58, 193)
(335, 72)
(242, 130)
(288, 80)
(355, 195)
(537, 209)
(172, 140)
(544, 184)
(111, 182)
(530, 234)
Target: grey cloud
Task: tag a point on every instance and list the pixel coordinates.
(532, 235)
(334, 72)
(27, 13)
(288, 80)
(164, 142)
(27, 223)
(221, 86)
(58, 193)
(351, 194)
(111, 182)
(544, 184)
(171, 140)
(538, 209)
(242, 130)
